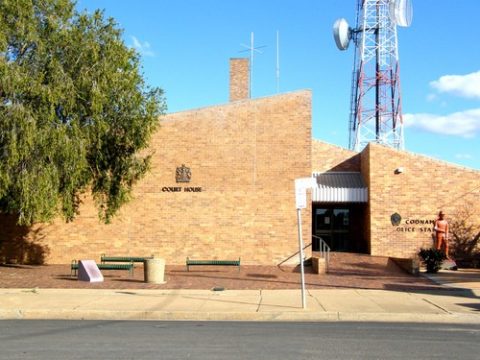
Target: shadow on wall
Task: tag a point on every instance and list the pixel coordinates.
(20, 244)
(351, 164)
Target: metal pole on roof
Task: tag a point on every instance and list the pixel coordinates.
(278, 62)
(252, 49)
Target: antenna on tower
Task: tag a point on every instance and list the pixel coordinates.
(375, 105)
(277, 72)
(252, 50)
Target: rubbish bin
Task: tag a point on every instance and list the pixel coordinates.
(154, 270)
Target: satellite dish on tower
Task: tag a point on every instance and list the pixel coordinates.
(342, 33)
(401, 12)
(375, 113)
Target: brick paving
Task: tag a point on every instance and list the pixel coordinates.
(348, 271)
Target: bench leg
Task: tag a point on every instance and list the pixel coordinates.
(73, 271)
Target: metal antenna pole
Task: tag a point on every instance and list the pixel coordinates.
(251, 63)
(252, 49)
(278, 62)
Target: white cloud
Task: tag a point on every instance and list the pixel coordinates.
(464, 123)
(143, 48)
(462, 85)
(464, 156)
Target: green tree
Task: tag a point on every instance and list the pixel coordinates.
(75, 111)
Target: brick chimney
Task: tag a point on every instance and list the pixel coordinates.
(239, 79)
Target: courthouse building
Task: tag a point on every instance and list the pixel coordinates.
(222, 186)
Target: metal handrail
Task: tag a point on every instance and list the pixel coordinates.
(324, 249)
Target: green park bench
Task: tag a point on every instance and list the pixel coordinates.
(125, 259)
(129, 267)
(191, 262)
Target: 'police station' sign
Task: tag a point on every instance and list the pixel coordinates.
(412, 225)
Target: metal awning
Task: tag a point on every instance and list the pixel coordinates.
(340, 187)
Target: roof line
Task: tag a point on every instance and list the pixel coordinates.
(238, 102)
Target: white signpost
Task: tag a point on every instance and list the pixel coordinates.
(301, 186)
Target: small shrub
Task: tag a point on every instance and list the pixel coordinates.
(432, 258)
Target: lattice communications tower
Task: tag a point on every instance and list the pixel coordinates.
(375, 104)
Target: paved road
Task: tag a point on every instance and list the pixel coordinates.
(235, 340)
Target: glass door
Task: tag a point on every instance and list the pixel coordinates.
(332, 224)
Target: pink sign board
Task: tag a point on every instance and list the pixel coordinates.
(89, 271)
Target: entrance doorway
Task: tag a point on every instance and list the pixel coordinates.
(339, 225)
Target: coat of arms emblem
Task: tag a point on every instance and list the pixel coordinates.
(183, 174)
(396, 219)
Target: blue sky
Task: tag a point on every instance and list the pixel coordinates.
(186, 44)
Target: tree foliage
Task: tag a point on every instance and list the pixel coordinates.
(74, 111)
(465, 231)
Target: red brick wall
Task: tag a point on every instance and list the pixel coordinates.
(425, 187)
(244, 156)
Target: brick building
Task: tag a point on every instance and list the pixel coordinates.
(412, 186)
(222, 186)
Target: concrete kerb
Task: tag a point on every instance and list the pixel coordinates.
(241, 305)
(51, 314)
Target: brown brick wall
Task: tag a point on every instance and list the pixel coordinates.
(328, 157)
(425, 187)
(239, 79)
(245, 157)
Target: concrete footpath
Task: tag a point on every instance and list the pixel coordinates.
(458, 301)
